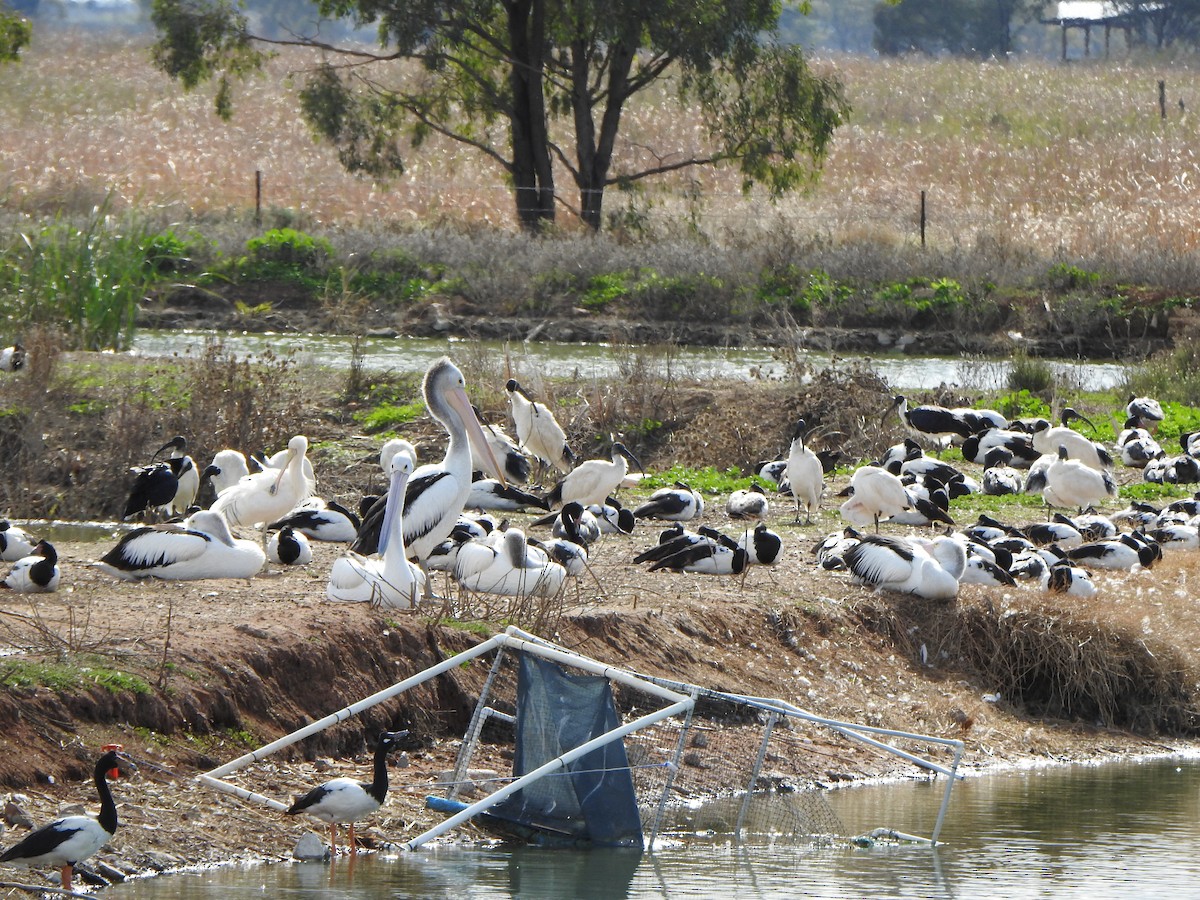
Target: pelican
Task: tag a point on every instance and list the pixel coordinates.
(72, 839)
(1146, 410)
(15, 542)
(804, 473)
(437, 493)
(289, 547)
(677, 504)
(320, 520)
(36, 573)
(874, 494)
(537, 429)
(1047, 440)
(187, 477)
(270, 494)
(203, 547)
(929, 569)
(1071, 483)
(592, 481)
(389, 579)
(345, 800)
(513, 569)
(747, 503)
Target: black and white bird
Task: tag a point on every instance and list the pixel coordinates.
(538, 430)
(1137, 446)
(187, 476)
(1147, 411)
(344, 801)
(874, 494)
(805, 474)
(201, 547)
(594, 480)
(68, 841)
(153, 490)
(1189, 442)
(490, 494)
(436, 494)
(1070, 483)
(706, 552)
(289, 547)
(509, 567)
(1018, 443)
(1064, 578)
(613, 517)
(36, 573)
(1124, 552)
(1047, 440)
(15, 542)
(319, 519)
(504, 449)
(926, 568)
(763, 546)
(12, 359)
(999, 477)
(930, 421)
(831, 551)
(674, 504)
(748, 503)
(231, 467)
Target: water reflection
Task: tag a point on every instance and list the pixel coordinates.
(1114, 831)
(584, 362)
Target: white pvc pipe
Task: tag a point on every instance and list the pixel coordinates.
(553, 765)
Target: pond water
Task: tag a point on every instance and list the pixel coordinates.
(592, 361)
(1113, 831)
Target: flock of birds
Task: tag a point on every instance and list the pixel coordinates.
(442, 517)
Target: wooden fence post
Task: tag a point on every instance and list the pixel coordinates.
(922, 219)
(1162, 99)
(258, 197)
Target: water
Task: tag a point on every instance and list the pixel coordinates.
(593, 361)
(1112, 831)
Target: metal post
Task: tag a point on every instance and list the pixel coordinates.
(762, 754)
(258, 196)
(922, 220)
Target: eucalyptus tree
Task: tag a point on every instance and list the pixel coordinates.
(537, 86)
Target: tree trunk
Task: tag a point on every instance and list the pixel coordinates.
(594, 151)
(532, 171)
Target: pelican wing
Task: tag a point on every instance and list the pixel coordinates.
(148, 547)
(881, 560)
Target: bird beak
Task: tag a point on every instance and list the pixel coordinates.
(462, 405)
(282, 471)
(625, 452)
(393, 507)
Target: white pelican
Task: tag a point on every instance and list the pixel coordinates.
(437, 493)
(513, 569)
(289, 547)
(1071, 483)
(874, 494)
(71, 839)
(268, 495)
(12, 358)
(1146, 410)
(592, 481)
(36, 573)
(748, 503)
(320, 520)
(674, 504)
(187, 477)
(14, 542)
(390, 448)
(929, 569)
(537, 429)
(346, 800)
(1047, 440)
(231, 468)
(389, 579)
(203, 547)
(805, 474)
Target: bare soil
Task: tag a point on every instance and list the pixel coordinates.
(1014, 673)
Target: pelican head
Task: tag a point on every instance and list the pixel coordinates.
(445, 392)
(400, 466)
(297, 449)
(212, 524)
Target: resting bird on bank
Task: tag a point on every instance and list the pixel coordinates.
(346, 800)
(71, 839)
(36, 573)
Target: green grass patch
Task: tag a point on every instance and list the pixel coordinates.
(708, 480)
(69, 676)
(388, 416)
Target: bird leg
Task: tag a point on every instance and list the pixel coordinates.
(65, 877)
(353, 843)
(333, 838)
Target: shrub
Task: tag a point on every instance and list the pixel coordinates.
(1029, 376)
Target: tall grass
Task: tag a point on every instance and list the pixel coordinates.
(86, 279)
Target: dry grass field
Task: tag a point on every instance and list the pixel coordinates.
(1066, 161)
